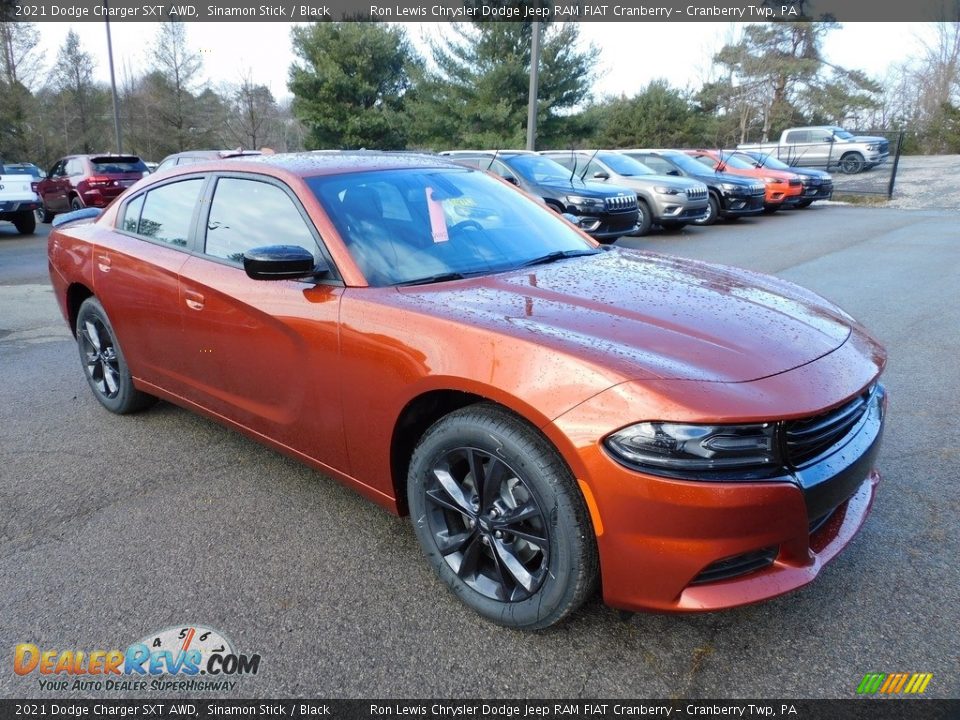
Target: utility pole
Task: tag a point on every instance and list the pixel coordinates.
(534, 87)
(113, 80)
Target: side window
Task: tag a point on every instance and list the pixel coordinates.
(656, 164)
(798, 136)
(57, 170)
(595, 168)
(564, 160)
(74, 167)
(503, 171)
(131, 214)
(245, 214)
(168, 212)
(166, 164)
(706, 160)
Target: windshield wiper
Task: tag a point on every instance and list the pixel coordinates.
(439, 277)
(554, 256)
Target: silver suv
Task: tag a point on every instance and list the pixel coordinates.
(670, 202)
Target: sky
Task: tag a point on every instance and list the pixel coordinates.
(631, 53)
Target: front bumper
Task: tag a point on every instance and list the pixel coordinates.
(18, 206)
(684, 545)
(739, 205)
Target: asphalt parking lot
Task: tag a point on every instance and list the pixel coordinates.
(112, 528)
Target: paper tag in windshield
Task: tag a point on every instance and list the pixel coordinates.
(438, 221)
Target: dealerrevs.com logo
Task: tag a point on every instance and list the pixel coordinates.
(183, 658)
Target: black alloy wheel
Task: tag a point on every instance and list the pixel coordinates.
(103, 362)
(852, 163)
(500, 518)
(487, 524)
(713, 212)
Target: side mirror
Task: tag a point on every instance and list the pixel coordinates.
(675, 173)
(282, 262)
(601, 175)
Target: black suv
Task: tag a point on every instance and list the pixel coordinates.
(731, 196)
(604, 211)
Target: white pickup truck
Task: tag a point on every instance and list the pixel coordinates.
(18, 201)
(826, 146)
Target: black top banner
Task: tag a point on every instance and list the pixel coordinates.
(859, 709)
(480, 10)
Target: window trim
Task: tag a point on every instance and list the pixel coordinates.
(334, 278)
(192, 227)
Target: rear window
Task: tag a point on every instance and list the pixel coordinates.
(118, 164)
(31, 170)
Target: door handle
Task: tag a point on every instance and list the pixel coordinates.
(103, 262)
(194, 300)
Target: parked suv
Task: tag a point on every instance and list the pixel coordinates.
(730, 197)
(782, 189)
(817, 184)
(80, 181)
(670, 202)
(605, 212)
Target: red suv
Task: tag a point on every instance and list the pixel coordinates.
(80, 181)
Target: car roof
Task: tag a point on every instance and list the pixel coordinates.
(327, 162)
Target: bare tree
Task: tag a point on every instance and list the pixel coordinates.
(81, 98)
(251, 122)
(174, 77)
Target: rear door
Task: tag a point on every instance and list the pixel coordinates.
(136, 277)
(52, 189)
(263, 353)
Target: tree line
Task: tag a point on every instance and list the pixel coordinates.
(363, 84)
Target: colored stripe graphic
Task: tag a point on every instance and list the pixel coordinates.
(894, 683)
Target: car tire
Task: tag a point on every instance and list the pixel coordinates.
(25, 222)
(518, 545)
(644, 219)
(43, 215)
(75, 203)
(852, 163)
(104, 364)
(713, 211)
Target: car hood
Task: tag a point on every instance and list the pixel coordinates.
(728, 177)
(867, 139)
(590, 189)
(649, 181)
(649, 316)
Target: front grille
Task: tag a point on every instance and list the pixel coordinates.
(736, 566)
(757, 190)
(812, 182)
(884, 147)
(808, 439)
(795, 181)
(697, 193)
(620, 203)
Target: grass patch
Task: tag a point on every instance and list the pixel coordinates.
(869, 200)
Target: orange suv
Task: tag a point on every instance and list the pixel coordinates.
(782, 189)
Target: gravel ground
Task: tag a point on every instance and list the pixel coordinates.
(924, 182)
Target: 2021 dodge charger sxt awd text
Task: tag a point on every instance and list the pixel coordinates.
(549, 412)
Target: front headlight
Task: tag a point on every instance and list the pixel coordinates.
(772, 180)
(873, 148)
(583, 201)
(731, 187)
(664, 190)
(679, 449)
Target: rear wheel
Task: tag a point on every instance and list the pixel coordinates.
(713, 211)
(103, 362)
(25, 222)
(500, 518)
(75, 204)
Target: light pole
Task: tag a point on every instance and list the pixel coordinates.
(113, 80)
(534, 87)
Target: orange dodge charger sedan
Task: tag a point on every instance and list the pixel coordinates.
(551, 413)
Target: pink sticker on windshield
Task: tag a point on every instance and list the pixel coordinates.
(438, 223)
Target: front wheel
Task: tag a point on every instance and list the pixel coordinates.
(644, 219)
(500, 518)
(43, 215)
(852, 163)
(713, 211)
(103, 362)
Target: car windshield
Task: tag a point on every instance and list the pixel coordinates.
(843, 134)
(763, 160)
(411, 226)
(118, 164)
(737, 163)
(31, 170)
(687, 163)
(537, 168)
(623, 165)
